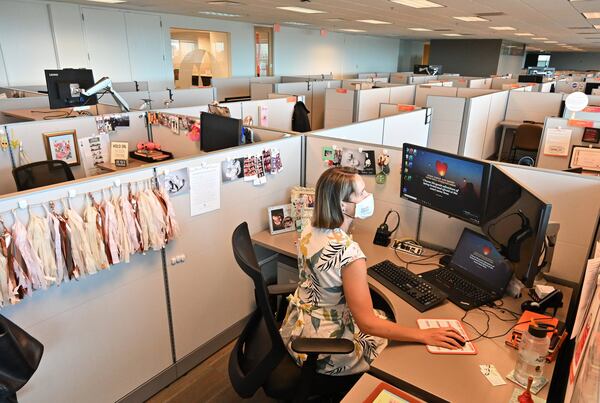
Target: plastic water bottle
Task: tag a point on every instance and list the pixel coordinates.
(533, 350)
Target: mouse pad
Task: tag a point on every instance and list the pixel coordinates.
(468, 348)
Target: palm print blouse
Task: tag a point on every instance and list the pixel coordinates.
(318, 306)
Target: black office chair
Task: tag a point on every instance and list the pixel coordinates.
(259, 357)
(41, 173)
(527, 138)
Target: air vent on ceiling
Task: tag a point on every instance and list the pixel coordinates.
(494, 14)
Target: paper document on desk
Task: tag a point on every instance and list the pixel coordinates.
(557, 142)
(590, 282)
(468, 348)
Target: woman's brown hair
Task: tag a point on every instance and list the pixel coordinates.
(334, 186)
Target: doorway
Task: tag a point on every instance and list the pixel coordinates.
(264, 51)
(198, 56)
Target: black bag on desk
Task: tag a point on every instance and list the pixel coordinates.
(20, 355)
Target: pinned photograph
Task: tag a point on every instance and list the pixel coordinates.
(117, 121)
(261, 177)
(232, 170)
(280, 219)
(327, 154)
(353, 158)
(174, 124)
(152, 118)
(306, 195)
(177, 182)
(370, 163)
(250, 169)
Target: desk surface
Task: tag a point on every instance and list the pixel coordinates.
(455, 378)
(50, 114)
(108, 167)
(513, 124)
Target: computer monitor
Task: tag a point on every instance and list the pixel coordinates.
(445, 182)
(517, 220)
(531, 78)
(219, 132)
(64, 87)
(429, 69)
(590, 86)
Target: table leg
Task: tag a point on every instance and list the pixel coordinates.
(502, 137)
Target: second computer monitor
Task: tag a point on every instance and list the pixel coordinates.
(445, 182)
(219, 132)
(65, 86)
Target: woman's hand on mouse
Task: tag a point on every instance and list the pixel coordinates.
(441, 337)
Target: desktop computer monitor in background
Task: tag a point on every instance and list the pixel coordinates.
(445, 182)
(219, 132)
(64, 87)
(516, 220)
(591, 86)
(531, 78)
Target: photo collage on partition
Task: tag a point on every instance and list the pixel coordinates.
(178, 124)
(111, 123)
(253, 168)
(362, 160)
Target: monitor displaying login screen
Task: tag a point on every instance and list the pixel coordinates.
(444, 182)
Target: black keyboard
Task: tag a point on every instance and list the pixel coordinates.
(462, 285)
(407, 285)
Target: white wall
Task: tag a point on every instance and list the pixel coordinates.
(55, 35)
(304, 51)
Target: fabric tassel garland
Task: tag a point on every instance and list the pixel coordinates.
(110, 232)
(31, 262)
(93, 231)
(131, 223)
(83, 262)
(55, 240)
(38, 234)
(125, 248)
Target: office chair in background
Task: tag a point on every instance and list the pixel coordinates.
(527, 138)
(259, 357)
(41, 173)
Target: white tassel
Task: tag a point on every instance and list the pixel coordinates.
(38, 233)
(80, 247)
(31, 260)
(4, 290)
(54, 226)
(125, 248)
(94, 238)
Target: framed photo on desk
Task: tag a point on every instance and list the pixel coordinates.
(62, 146)
(586, 158)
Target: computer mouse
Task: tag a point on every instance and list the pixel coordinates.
(459, 341)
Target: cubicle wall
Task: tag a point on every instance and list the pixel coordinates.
(339, 107)
(422, 92)
(534, 106)
(114, 326)
(412, 127)
(577, 225)
(447, 114)
(183, 97)
(498, 83)
(387, 196)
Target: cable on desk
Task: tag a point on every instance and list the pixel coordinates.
(484, 333)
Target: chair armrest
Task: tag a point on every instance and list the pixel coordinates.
(313, 345)
(281, 289)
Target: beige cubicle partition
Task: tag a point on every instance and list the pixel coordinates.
(447, 115)
(534, 106)
(424, 91)
(339, 107)
(577, 225)
(140, 325)
(183, 97)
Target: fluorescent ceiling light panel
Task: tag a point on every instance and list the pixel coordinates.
(541, 38)
(375, 22)
(591, 15)
(352, 30)
(109, 1)
(334, 19)
(524, 34)
(451, 35)
(224, 3)
(503, 28)
(218, 14)
(295, 23)
(418, 3)
(470, 19)
(420, 29)
(550, 41)
(597, 26)
(302, 10)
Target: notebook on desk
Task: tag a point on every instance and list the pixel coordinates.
(476, 275)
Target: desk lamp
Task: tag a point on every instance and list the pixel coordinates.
(105, 84)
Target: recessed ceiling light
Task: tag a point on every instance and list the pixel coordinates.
(375, 22)
(420, 29)
(591, 15)
(524, 34)
(224, 3)
(109, 1)
(218, 14)
(597, 26)
(302, 10)
(451, 35)
(504, 28)
(334, 19)
(470, 19)
(541, 38)
(352, 30)
(550, 41)
(295, 23)
(418, 3)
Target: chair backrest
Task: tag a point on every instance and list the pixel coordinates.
(42, 173)
(259, 348)
(528, 137)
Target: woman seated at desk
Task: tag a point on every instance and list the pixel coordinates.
(332, 298)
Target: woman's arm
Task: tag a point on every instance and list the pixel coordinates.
(358, 299)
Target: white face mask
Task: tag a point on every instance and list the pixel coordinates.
(365, 208)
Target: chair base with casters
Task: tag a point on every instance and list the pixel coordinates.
(260, 358)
